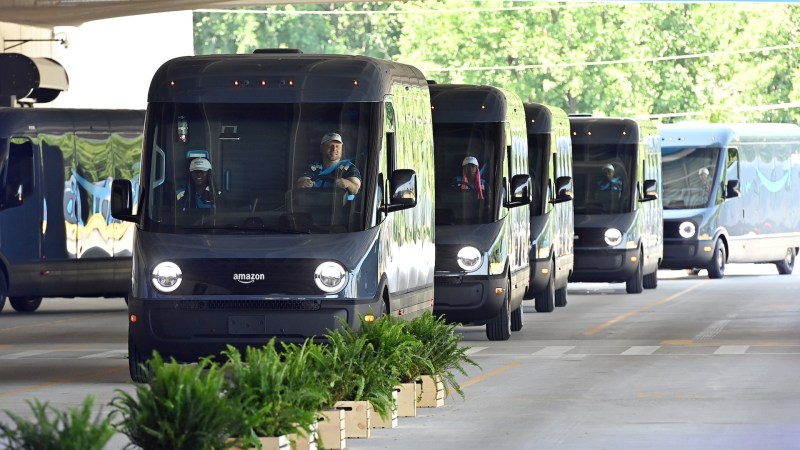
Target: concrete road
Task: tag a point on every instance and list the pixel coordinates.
(693, 364)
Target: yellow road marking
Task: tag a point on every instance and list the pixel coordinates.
(641, 309)
(62, 381)
(490, 373)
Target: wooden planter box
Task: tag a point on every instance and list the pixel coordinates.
(407, 399)
(432, 392)
(270, 443)
(356, 417)
(308, 442)
(390, 422)
(331, 429)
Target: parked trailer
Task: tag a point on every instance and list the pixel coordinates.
(57, 236)
(730, 195)
(269, 257)
(482, 225)
(618, 218)
(552, 218)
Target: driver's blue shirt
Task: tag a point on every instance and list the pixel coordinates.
(615, 184)
(326, 178)
(195, 199)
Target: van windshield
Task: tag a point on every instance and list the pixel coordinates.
(466, 156)
(605, 177)
(689, 176)
(259, 168)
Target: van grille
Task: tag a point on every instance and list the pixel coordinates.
(250, 305)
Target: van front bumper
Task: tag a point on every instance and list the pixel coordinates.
(189, 329)
(604, 265)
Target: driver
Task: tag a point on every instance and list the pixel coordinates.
(331, 170)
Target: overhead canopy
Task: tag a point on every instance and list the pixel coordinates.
(31, 80)
(52, 13)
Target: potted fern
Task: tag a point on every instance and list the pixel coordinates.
(276, 394)
(446, 357)
(404, 354)
(51, 429)
(361, 379)
(181, 407)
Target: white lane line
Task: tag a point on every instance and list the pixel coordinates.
(473, 350)
(105, 355)
(27, 354)
(554, 350)
(641, 350)
(731, 350)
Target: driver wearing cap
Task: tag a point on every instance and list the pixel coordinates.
(199, 192)
(331, 171)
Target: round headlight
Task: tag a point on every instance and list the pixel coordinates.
(330, 277)
(613, 237)
(469, 258)
(686, 229)
(167, 276)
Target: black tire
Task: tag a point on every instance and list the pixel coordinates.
(137, 363)
(694, 271)
(25, 304)
(650, 281)
(786, 266)
(499, 327)
(561, 297)
(716, 268)
(3, 290)
(546, 300)
(635, 285)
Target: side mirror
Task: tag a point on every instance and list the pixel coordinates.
(122, 201)
(650, 191)
(563, 190)
(402, 190)
(732, 189)
(520, 191)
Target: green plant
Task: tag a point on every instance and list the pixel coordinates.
(441, 347)
(181, 407)
(51, 429)
(402, 351)
(357, 370)
(275, 392)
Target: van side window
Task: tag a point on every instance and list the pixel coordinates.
(17, 173)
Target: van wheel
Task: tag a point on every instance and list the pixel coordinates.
(716, 268)
(137, 363)
(546, 300)
(650, 281)
(786, 266)
(635, 284)
(25, 304)
(3, 290)
(561, 297)
(499, 328)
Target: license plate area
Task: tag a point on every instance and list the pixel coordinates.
(247, 325)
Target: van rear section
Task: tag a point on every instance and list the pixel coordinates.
(57, 235)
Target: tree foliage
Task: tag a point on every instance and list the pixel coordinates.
(622, 59)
